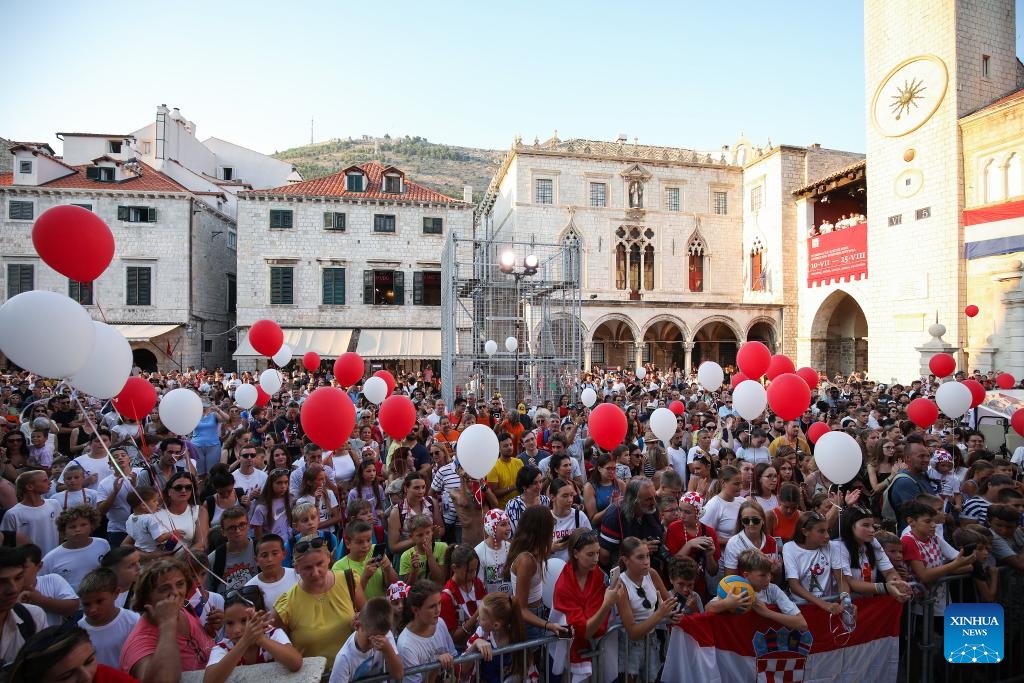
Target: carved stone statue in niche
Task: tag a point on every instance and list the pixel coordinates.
(636, 194)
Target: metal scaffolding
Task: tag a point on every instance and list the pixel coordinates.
(541, 311)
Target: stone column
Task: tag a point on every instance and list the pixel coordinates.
(687, 358)
(638, 354)
(588, 351)
(1014, 302)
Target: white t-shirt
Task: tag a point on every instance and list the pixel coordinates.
(325, 506)
(140, 530)
(221, 649)
(213, 601)
(842, 558)
(99, 466)
(272, 591)
(416, 650)
(722, 516)
(74, 563)
(70, 499)
(492, 567)
(119, 510)
(109, 639)
(247, 482)
(755, 455)
(545, 467)
(813, 568)
(736, 545)
(54, 586)
(677, 457)
(766, 504)
(38, 523)
(564, 526)
(162, 521)
(352, 663)
(10, 635)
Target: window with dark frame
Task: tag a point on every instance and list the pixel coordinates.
(87, 207)
(114, 146)
(426, 288)
(672, 202)
(138, 286)
(231, 298)
(24, 167)
(354, 182)
(80, 292)
(227, 173)
(21, 211)
(20, 278)
(103, 174)
(384, 287)
(756, 198)
(136, 214)
(986, 66)
(334, 220)
(281, 219)
(207, 346)
(383, 222)
(598, 195)
(544, 192)
(334, 287)
(433, 226)
(720, 202)
(281, 284)
(393, 184)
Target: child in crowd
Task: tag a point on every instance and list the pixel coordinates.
(361, 509)
(367, 561)
(683, 573)
(493, 551)
(306, 522)
(144, 501)
(425, 559)
(926, 557)
(206, 606)
(272, 512)
(397, 593)
(462, 593)
(371, 649)
(74, 492)
(274, 578)
(984, 573)
(940, 472)
(50, 592)
(501, 625)
(757, 570)
(126, 563)
(234, 563)
(249, 638)
(56, 469)
(40, 453)
(80, 553)
(893, 548)
(425, 637)
(812, 571)
(107, 624)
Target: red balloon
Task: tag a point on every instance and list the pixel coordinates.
(607, 425)
(977, 391)
(809, 375)
(779, 365)
(327, 417)
(816, 431)
(738, 379)
(136, 399)
(262, 397)
(348, 368)
(397, 416)
(677, 407)
(789, 396)
(971, 311)
(1017, 421)
(1005, 380)
(922, 412)
(266, 337)
(942, 365)
(311, 361)
(388, 378)
(754, 359)
(73, 241)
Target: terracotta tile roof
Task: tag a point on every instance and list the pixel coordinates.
(6, 178)
(857, 166)
(151, 180)
(1004, 100)
(334, 186)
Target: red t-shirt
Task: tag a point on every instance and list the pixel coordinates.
(676, 538)
(194, 647)
(108, 674)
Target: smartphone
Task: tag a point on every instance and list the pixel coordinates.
(613, 577)
(970, 548)
(377, 559)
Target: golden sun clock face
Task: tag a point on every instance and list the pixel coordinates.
(909, 95)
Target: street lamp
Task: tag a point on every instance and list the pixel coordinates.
(507, 265)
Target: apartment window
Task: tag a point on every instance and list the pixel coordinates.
(147, 146)
(80, 292)
(896, 220)
(921, 214)
(232, 239)
(87, 207)
(231, 295)
(136, 214)
(207, 346)
(426, 288)
(334, 287)
(20, 278)
(433, 226)
(597, 353)
(384, 287)
(544, 192)
(756, 198)
(672, 199)
(114, 146)
(393, 184)
(138, 286)
(227, 173)
(354, 182)
(986, 66)
(383, 222)
(281, 219)
(24, 167)
(720, 202)
(598, 195)
(21, 211)
(333, 220)
(103, 174)
(281, 281)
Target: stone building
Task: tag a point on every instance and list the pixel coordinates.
(349, 261)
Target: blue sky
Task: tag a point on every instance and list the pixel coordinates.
(683, 74)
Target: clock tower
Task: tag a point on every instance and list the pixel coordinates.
(927, 64)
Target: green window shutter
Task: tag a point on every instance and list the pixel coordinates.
(417, 288)
(339, 287)
(152, 214)
(328, 220)
(368, 286)
(123, 213)
(399, 287)
(287, 223)
(144, 287)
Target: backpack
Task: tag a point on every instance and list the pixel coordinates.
(220, 558)
(888, 513)
(27, 627)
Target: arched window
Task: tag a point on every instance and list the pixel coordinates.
(634, 258)
(571, 256)
(993, 182)
(695, 258)
(1014, 186)
(758, 274)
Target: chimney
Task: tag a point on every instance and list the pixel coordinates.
(467, 194)
(815, 145)
(622, 138)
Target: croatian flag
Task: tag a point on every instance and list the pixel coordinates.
(727, 648)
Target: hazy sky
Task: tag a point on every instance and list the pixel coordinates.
(672, 73)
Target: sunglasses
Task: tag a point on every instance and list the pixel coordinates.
(179, 488)
(279, 472)
(250, 595)
(750, 521)
(643, 597)
(248, 455)
(311, 544)
(812, 519)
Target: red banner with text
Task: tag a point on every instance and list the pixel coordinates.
(838, 256)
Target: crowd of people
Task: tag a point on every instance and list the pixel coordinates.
(843, 222)
(132, 553)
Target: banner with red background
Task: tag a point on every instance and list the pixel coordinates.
(838, 256)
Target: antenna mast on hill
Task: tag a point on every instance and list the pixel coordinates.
(311, 130)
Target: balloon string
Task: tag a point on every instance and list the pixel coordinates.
(96, 298)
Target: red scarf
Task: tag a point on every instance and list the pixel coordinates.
(579, 605)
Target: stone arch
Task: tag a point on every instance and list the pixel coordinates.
(145, 359)
(613, 340)
(839, 335)
(666, 318)
(763, 328)
(717, 338)
(664, 338)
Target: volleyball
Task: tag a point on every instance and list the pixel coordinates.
(736, 584)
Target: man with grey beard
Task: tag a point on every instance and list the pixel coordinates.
(635, 515)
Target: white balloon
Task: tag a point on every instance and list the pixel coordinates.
(109, 365)
(511, 344)
(837, 455)
(749, 399)
(641, 372)
(589, 397)
(375, 390)
(46, 333)
(245, 396)
(478, 450)
(283, 355)
(953, 399)
(552, 570)
(663, 424)
(180, 411)
(270, 380)
(490, 347)
(710, 375)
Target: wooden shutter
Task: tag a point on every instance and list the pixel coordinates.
(367, 286)
(144, 287)
(123, 213)
(399, 284)
(417, 288)
(334, 286)
(328, 220)
(151, 214)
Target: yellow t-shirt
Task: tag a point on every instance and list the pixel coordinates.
(318, 625)
(503, 476)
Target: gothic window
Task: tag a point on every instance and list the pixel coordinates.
(993, 182)
(696, 256)
(634, 258)
(571, 256)
(758, 276)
